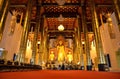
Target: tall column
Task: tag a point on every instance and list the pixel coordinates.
(98, 41)
(75, 47)
(1, 4)
(4, 8)
(45, 44)
(86, 38)
(80, 44)
(79, 38)
(117, 10)
(42, 40)
(116, 3)
(38, 16)
(25, 32)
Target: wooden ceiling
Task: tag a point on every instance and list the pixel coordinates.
(69, 11)
(68, 23)
(54, 1)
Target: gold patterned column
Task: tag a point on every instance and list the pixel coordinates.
(44, 40)
(117, 6)
(116, 3)
(86, 39)
(4, 8)
(25, 32)
(1, 4)
(45, 44)
(79, 37)
(35, 44)
(80, 44)
(74, 46)
(98, 41)
(75, 54)
(41, 58)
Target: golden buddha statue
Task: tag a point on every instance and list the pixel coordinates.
(51, 56)
(61, 51)
(69, 57)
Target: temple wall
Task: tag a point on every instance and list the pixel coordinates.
(11, 43)
(110, 46)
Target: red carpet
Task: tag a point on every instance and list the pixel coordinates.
(54, 74)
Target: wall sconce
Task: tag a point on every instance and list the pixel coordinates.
(110, 26)
(38, 42)
(83, 42)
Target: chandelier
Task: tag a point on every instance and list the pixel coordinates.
(60, 27)
(60, 2)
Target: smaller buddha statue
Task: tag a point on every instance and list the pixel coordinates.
(69, 57)
(51, 56)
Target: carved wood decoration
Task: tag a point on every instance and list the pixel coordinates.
(69, 11)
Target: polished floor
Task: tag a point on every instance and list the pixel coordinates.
(59, 74)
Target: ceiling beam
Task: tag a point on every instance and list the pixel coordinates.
(16, 5)
(57, 14)
(50, 31)
(66, 4)
(66, 37)
(33, 22)
(104, 5)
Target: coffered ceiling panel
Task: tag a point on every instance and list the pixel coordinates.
(68, 23)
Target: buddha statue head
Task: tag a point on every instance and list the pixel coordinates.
(60, 42)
